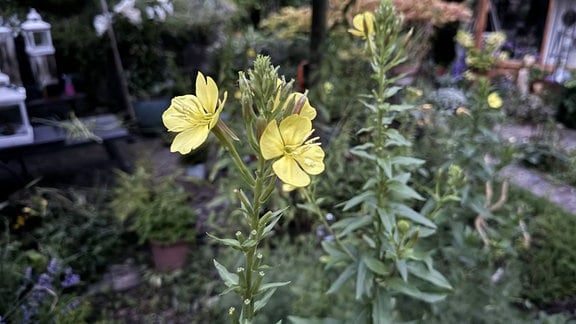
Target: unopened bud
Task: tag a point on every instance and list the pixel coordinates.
(403, 226)
(261, 124)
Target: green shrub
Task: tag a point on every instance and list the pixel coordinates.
(549, 274)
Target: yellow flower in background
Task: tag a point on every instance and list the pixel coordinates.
(494, 100)
(363, 24)
(251, 53)
(297, 155)
(193, 116)
(462, 111)
(303, 109)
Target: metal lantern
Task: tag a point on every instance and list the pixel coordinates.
(8, 59)
(38, 44)
(15, 128)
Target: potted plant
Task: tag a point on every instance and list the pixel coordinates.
(157, 210)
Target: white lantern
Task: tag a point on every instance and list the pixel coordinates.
(15, 128)
(8, 59)
(38, 44)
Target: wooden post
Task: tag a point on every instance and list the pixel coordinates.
(317, 36)
(480, 24)
(118, 65)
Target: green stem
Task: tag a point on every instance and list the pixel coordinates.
(318, 212)
(250, 285)
(225, 140)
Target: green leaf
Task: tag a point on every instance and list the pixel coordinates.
(375, 265)
(270, 285)
(390, 91)
(430, 275)
(361, 273)
(395, 138)
(259, 304)
(229, 242)
(342, 278)
(363, 154)
(302, 320)
(382, 310)
(356, 223)
(369, 241)
(409, 290)
(405, 160)
(230, 279)
(412, 215)
(401, 108)
(356, 200)
(335, 254)
(403, 190)
(386, 165)
(387, 219)
(403, 269)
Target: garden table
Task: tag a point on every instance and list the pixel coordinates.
(107, 129)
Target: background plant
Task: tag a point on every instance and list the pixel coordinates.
(376, 246)
(155, 207)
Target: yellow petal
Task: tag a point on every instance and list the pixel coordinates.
(174, 120)
(358, 22)
(294, 130)
(189, 139)
(356, 32)
(289, 172)
(307, 110)
(207, 92)
(311, 160)
(271, 143)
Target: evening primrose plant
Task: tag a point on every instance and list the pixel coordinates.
(278, 132)
(377, 247)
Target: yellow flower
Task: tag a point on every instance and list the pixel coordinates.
(494, 100)
(363, 24)
(303, 109)
(193, 116)
(297, 156)
(251, 53)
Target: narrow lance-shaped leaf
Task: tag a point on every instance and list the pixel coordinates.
(342, 279)
(408, 289)
(230, 279)
(429, 274)
(259, 304)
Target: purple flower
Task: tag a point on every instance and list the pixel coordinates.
(70, 307)
(45, 280)
(2, 320)
(54, 266)
(70, 278)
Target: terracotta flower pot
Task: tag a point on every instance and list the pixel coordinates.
(169, 257)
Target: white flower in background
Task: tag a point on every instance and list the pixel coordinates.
(101, 23)
(150, 12)
(160, 13)
(167, 6)
(126, 8)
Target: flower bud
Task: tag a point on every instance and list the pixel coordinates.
(403, 226)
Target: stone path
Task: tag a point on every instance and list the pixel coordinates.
(562, 195)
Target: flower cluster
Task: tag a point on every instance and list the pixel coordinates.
(286, 138)
(42, 290)
(128, 9)
(481, 59)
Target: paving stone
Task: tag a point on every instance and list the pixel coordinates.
(562, 195)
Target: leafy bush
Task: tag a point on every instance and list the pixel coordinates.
(549, 274)
(72, 224)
